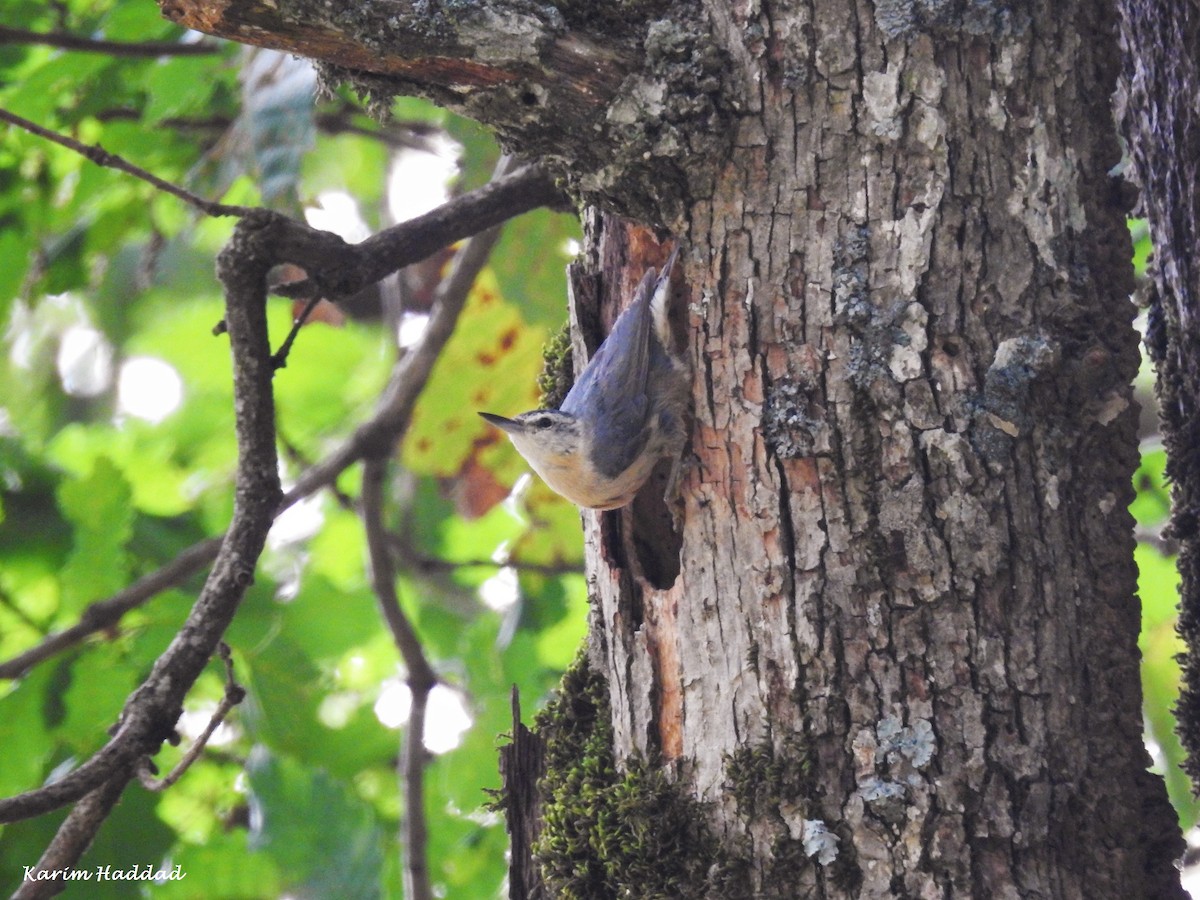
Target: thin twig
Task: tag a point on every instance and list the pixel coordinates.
(101, 157)
(300, 460)
(404, 553)
(451, 298)
(279, 359)
(389, 422)
(383, 581)
(106, 613)
(151, 712)
(234, 694)
(397, 134)
(421, 679)
(7, 602)
(413, 761)
(65, 41)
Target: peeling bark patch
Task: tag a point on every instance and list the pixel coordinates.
(1017, 366)
(1045, 195)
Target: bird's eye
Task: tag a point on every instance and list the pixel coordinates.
(542, 422)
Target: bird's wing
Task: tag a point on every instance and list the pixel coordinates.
(610, 393)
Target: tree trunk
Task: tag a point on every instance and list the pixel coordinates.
(890, 648)
(1160, 83)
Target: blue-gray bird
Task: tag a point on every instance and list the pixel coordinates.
(625, 412)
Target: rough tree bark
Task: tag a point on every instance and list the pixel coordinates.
(891, 648)
(1159, 85)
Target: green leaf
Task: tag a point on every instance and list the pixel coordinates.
(340, 858)
(312, 405)
(1142, 247)
(16, 249)
(223, 868)
(100, 681)
(537, 282)
(1158, 586)
(55, 82)
(1152, 505)
(348, 163)
(337, 552)
(285, 689)
(175, 86)
(99, 507)
(1158, 589)
(27, 744)
(558, 642)
(491, 364)
(145, 456)
(137, 22)
(325, 622)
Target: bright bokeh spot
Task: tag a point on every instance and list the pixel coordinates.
(337, 211)
(148, 388)
(418, 179)
(446, 716)
(193, 722)
(412, 326)
(447, 720)
(500, 592)
(84, 361)
(394, 704)
(298, 522)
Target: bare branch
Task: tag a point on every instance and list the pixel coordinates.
(101, 157)
(234, 694)
(421, 679)
(424, 564)
(410, 558)
(63, 41)
(451, 298)
(413, 761)
(74, 836)
(410, 376)
(151, 712)
(337, 269)
(505, 197)
(107, 613)
(281, 355)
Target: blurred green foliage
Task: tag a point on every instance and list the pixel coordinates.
(1158, 588)
(108, 301)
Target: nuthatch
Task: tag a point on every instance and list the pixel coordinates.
(625, 412)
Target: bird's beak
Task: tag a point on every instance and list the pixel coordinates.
(502, 423)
